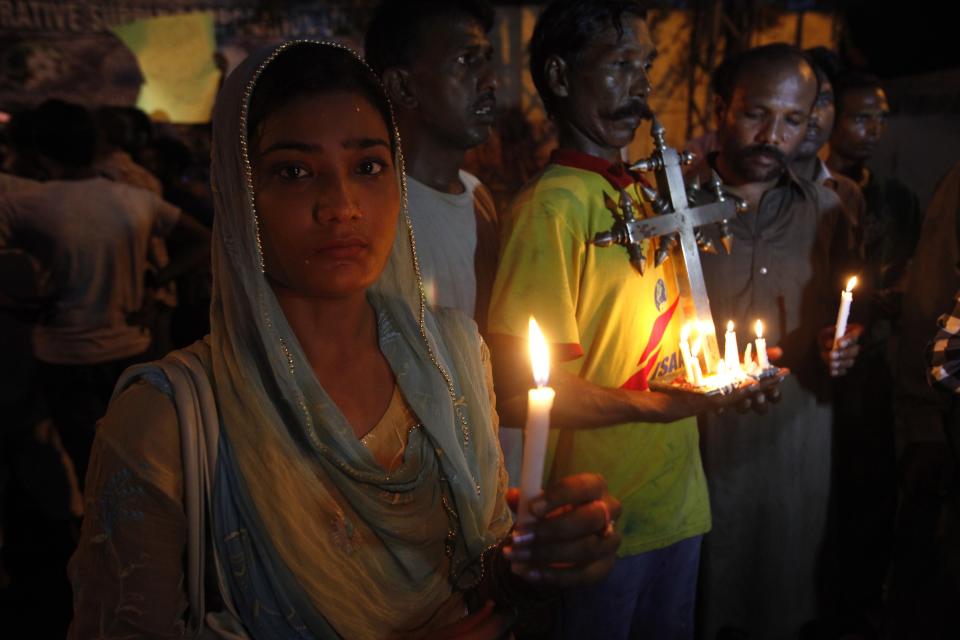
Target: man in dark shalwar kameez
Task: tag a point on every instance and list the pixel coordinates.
(769, 476)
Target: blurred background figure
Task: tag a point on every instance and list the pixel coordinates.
(91, 237)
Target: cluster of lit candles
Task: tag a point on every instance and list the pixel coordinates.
(730, 371)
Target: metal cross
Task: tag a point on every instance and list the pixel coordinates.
(674, 221)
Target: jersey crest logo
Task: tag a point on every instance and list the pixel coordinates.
(660, 294)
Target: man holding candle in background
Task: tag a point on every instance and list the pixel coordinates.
(864, 461)
(611, 328)
(889, 231)
(769, 477)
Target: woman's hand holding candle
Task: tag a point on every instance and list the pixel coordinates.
(571, 539)
(565, 536)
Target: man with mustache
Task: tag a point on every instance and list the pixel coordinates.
(769, 477)
(611, 327)
(436, 63)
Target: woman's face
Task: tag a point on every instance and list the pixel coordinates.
(326, 193)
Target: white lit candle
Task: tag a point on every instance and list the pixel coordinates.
(843, 314)
(685, 352)
(539, 403)
(731, 351)
(748, 358)
(762, 362)
(695, 361)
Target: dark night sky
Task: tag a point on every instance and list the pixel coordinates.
(903, 41)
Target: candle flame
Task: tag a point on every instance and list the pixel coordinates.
(851, 283)
(759, 328)
(685, 333)
(539, 355)
(729, 325)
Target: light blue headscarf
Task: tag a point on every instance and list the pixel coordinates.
(311, 529)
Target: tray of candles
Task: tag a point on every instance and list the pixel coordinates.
(728, 375)
(721, 384)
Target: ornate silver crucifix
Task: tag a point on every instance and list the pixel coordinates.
(675, 222)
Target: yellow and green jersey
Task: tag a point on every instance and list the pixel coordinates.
(610, 326)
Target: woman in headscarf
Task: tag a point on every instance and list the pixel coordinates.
(325, 463)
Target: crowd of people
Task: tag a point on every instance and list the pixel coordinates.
(281, 395)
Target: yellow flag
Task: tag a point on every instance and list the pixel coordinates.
(176, 57)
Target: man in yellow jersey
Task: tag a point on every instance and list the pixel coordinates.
(612, 329)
